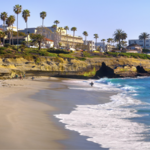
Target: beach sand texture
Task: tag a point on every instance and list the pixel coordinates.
(24, 123)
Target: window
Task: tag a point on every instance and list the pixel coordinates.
(147, 40)
(141, 45)
(147, 44)
(140, 41)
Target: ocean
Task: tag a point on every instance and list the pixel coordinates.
(123, 123)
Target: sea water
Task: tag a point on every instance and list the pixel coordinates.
(123, 123)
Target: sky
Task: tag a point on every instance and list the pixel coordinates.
(100, 17)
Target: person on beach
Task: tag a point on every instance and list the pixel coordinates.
(32, 78)
(91, 84)
(21, 77)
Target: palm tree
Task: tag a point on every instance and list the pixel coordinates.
(38, 38)
(25, 15)
(12, 22)
(108, 40)
(118, 36)
(96, 37)
(56, 22)
(17, 10)
(66, 28)
(103, 40)
(60, 29)
(4, 16)
(2, 35)
(124, 36)
(144, 36)
(73, 29)
(9, 23)
(85, 34)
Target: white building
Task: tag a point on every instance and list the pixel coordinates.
(48, 43)
(102, 45)
(141, 43)
(6, 28)
(91, 45)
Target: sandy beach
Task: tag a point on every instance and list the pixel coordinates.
(27, 110)
(24, 121)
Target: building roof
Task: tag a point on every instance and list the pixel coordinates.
(49, 40)
(1, 29)
(133, 45)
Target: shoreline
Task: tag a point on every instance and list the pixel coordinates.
(65, 104)
(30, 118)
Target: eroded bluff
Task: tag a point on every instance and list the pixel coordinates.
(61, 67)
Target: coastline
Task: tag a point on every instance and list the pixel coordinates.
(28, 120)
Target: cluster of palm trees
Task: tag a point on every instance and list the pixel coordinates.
(119, 35)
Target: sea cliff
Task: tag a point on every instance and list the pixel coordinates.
(75, 68)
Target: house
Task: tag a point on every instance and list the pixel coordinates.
(1, 29)
(20, 39)
(48, 43)
(109, 47)
(141, 42)
(133, 48)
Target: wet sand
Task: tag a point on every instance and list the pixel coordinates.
(27, 114)
(65, 100)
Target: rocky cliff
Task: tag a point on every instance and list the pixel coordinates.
(61, 67)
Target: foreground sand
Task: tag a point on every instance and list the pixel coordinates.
(24, 122)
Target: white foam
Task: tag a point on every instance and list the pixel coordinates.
(107, 124)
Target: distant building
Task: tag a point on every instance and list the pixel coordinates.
(6, 28)
(48, 43)
(21, 39)
(65, 40)
(133, 48)
(141, 43)
(109, 47)
(101, 45)
(90, 45)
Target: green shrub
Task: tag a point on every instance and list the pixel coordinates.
(2, 52)
(81, 58)
(66, 56)
(7, 45)
(51, 50)
(52, 54)
(86, 54)
(2, 48)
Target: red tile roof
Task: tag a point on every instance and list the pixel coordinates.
(48, 40)
(1, 29)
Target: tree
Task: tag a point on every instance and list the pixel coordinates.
(17, 10)
(4, 16)
(73, 29)
(96, 37)
(109, 40)
(66, 28)
(144, 36)
(56, 36)
(56, 22)
(123, 43)
(43, 16)
(2, 35)
(25, 15)
(38, 38)
(118, 36)
(9, 23)
(12, 22)
(103, 40)
(124, 36)
(85, 34)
